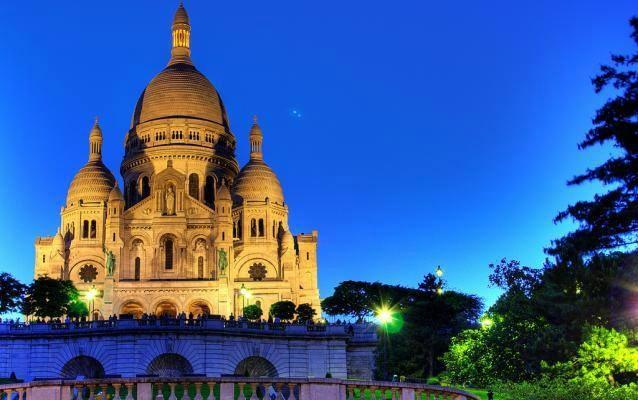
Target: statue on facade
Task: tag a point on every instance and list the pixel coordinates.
(110, 263)
(223, 261)
(170, 201)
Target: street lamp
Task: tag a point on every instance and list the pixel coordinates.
(439, 271)
(384, 315)
(90, 296)
(245, 293)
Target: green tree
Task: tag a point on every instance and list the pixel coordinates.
(305, 313)
(11, 293)
(284, 310)
(350, 298)
(609, 220)
(469, 360)
(253, 312)
(48, 297)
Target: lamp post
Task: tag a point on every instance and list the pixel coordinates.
(90, 296)
(245, 293)
(439, 271)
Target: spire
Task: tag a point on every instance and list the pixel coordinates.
(256, 138)
(95, 142)
(181, 50)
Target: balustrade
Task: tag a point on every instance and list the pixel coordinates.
(226, 388)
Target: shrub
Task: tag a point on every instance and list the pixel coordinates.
(284, 310)
(253, 312)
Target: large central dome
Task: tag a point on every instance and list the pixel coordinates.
(180, 90)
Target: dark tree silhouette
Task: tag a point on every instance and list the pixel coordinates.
(11, 293)
(609, 220)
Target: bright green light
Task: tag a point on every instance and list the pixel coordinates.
(384, 316)
(439, 271)
(486, 322)
(439, 290)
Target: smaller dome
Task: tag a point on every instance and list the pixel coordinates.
(58, 241)
(223, 193)
(256, 182)
(93, 182)
(116, 194)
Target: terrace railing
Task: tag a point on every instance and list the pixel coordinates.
(226, 388)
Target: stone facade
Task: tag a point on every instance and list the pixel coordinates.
(189, 230)
(130, 348)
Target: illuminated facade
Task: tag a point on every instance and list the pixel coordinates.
(189, 229)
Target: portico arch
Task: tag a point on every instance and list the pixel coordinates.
(132, 307)
(165, 307)
(199, 307)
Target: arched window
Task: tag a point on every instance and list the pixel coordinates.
(223, 235)
(235, 230)
(193, 186)
(239, 227)
(168, 251)
(93, 229)
(209, 191)
(253, 228)
(261, 227)
(146, 187)
(85, 229)
(138, 267)
(132, 193)
(200, 267)
(44, 258)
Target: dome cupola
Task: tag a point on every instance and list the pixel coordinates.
(94, 181)
(256, 181)
(180, 90)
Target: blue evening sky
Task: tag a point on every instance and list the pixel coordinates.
(410, 134)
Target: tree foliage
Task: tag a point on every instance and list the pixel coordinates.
(305, 313)
(11, 293)
(253, 312)
(430, 317)
(52, 298)
(284, 310)
(609, 220)
(541, 316)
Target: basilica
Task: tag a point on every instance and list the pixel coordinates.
(188, 231)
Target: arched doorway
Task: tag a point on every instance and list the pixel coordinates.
(199, 307)
(256, 367)
(82, 366)
(166, 308)
(132, 308)
(169, 365)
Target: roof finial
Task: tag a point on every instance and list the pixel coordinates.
(95, 141)
(180, 52)
(255, 119)
(97, 121)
